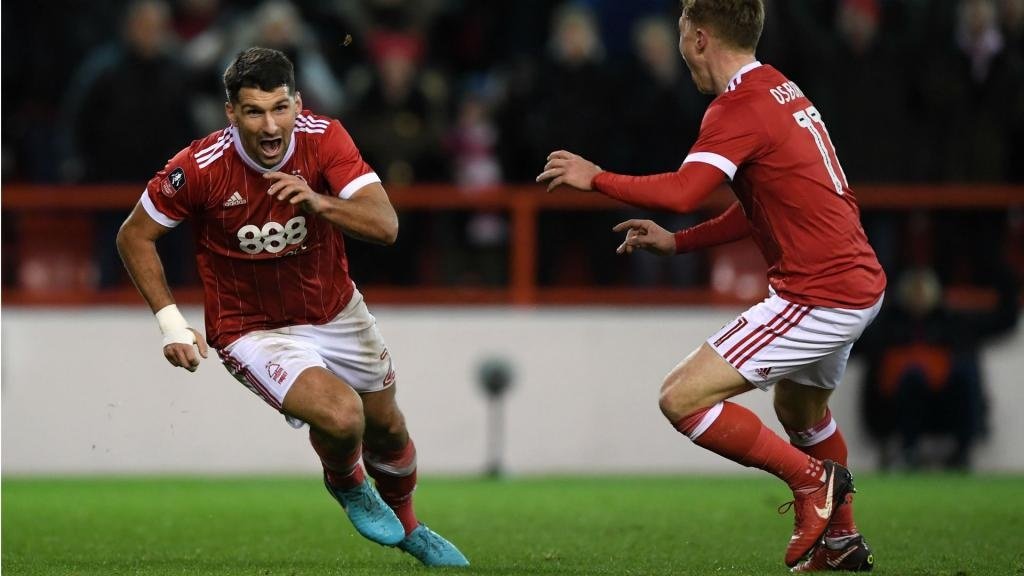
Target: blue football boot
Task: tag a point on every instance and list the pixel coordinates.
(371, 516)
(431, 548)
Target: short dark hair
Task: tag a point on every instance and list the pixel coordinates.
(262, 68)
(737, 22)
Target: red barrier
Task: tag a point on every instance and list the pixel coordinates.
(53, 242)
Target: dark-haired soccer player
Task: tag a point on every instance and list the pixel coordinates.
(765, 137)
(270, 197)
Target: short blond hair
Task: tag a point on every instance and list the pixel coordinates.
(737, 22)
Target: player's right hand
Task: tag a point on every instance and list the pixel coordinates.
(184, 355)
(645, 235)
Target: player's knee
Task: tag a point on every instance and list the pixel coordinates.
(675, 402)
(784, 412)
(341, 421)
(387, 433)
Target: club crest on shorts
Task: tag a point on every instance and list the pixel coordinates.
(276, 372)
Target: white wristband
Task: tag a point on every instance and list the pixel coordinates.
(174, 326)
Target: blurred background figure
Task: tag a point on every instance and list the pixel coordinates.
(114, 93)
(399, 118)
(574, 93)
(974, 100)
(661, 123)
(278, 24)
(472, 141)
(109, 105)
(924, 376)
(479, 250)
(205, 28)
(575, 103)
(1011, 18)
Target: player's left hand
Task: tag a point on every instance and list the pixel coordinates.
(569, 169)
(295, 190)
(645, 235)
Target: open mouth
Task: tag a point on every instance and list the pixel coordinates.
(271, 146)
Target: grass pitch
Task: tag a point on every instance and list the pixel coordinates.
(918, 525)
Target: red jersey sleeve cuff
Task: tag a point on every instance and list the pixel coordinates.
(682, 244)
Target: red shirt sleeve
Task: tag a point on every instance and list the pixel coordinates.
(342, 164)
(728, 226)
(172, 194)
(679, 191)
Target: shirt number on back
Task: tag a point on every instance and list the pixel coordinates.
(810, 119)
(272, 237)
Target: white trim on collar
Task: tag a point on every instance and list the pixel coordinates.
(738, 77)
(254, 164)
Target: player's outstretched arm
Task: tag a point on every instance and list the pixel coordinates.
(645, 235)
(136, 242)
(681, 191)
(367, 215)
(566, 168)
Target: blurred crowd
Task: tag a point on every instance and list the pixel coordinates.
(477, 93)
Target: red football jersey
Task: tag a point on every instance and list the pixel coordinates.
(264, 263)
(770, 140)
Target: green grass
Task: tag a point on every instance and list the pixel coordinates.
(920, 525)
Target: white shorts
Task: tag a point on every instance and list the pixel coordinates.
(350, 346)
(778, 339)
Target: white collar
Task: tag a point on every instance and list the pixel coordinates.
(737, 77)
(254, 164)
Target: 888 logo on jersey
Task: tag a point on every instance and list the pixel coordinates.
(272, 237)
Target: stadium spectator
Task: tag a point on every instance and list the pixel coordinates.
(400, 118)
(663, 117)
(1012, 20)
(573, 96)
(477, 254)
(763, 135)
(924, 376)
(399, 121)
(130, 78)
(867, 48)
(271, 196)
(205, 28)
(277, 24)
(974, 100)
(572, 103)
(369, 23)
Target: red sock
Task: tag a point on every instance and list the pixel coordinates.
(732, 431)
(395, 475)
(342, 471)
(824, 441)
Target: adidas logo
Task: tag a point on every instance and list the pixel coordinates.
(235, 200)
(763, 372)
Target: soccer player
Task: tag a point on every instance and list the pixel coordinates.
(765, 137)
(270, 197)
